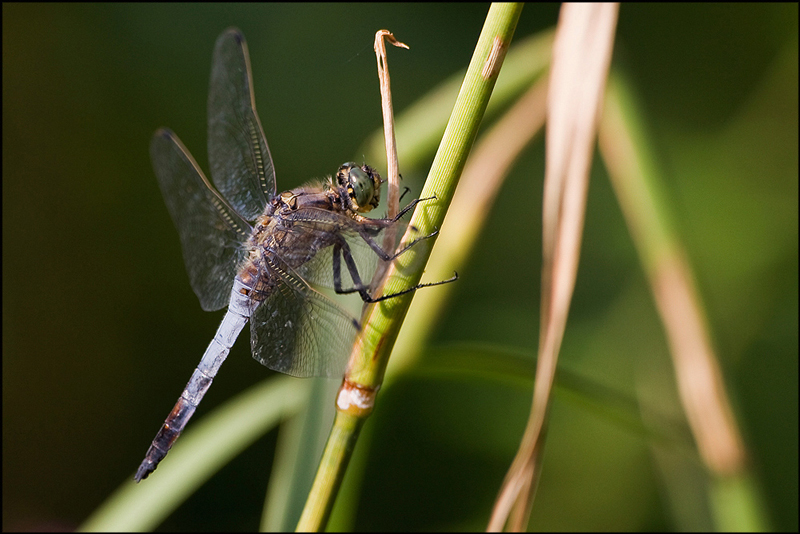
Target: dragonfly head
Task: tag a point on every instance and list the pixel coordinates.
(359, 186)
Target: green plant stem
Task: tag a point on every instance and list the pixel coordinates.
(338, 450)
(382, 321)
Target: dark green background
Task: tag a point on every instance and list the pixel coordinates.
(101, 329)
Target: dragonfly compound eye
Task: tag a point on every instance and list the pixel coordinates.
(363, 189)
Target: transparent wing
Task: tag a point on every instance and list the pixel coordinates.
(298, 331)
(241, 165)
(211, 232)
(325, 229)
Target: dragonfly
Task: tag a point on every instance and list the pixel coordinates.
(261, 253)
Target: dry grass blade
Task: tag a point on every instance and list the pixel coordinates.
(392, 166)
(697, 371)
(581, 57)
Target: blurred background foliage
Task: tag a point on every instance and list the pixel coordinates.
(101, 332)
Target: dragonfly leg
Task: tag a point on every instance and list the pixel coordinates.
(342, 250)
(405, 190)
(382, 254)
(410, 206)
(339, 250)
(418, 286)
(366, 232)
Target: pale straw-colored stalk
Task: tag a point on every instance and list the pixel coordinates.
(637, 184)
(578, 71)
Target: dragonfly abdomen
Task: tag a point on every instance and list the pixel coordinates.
(232, 324)
(169, 432)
